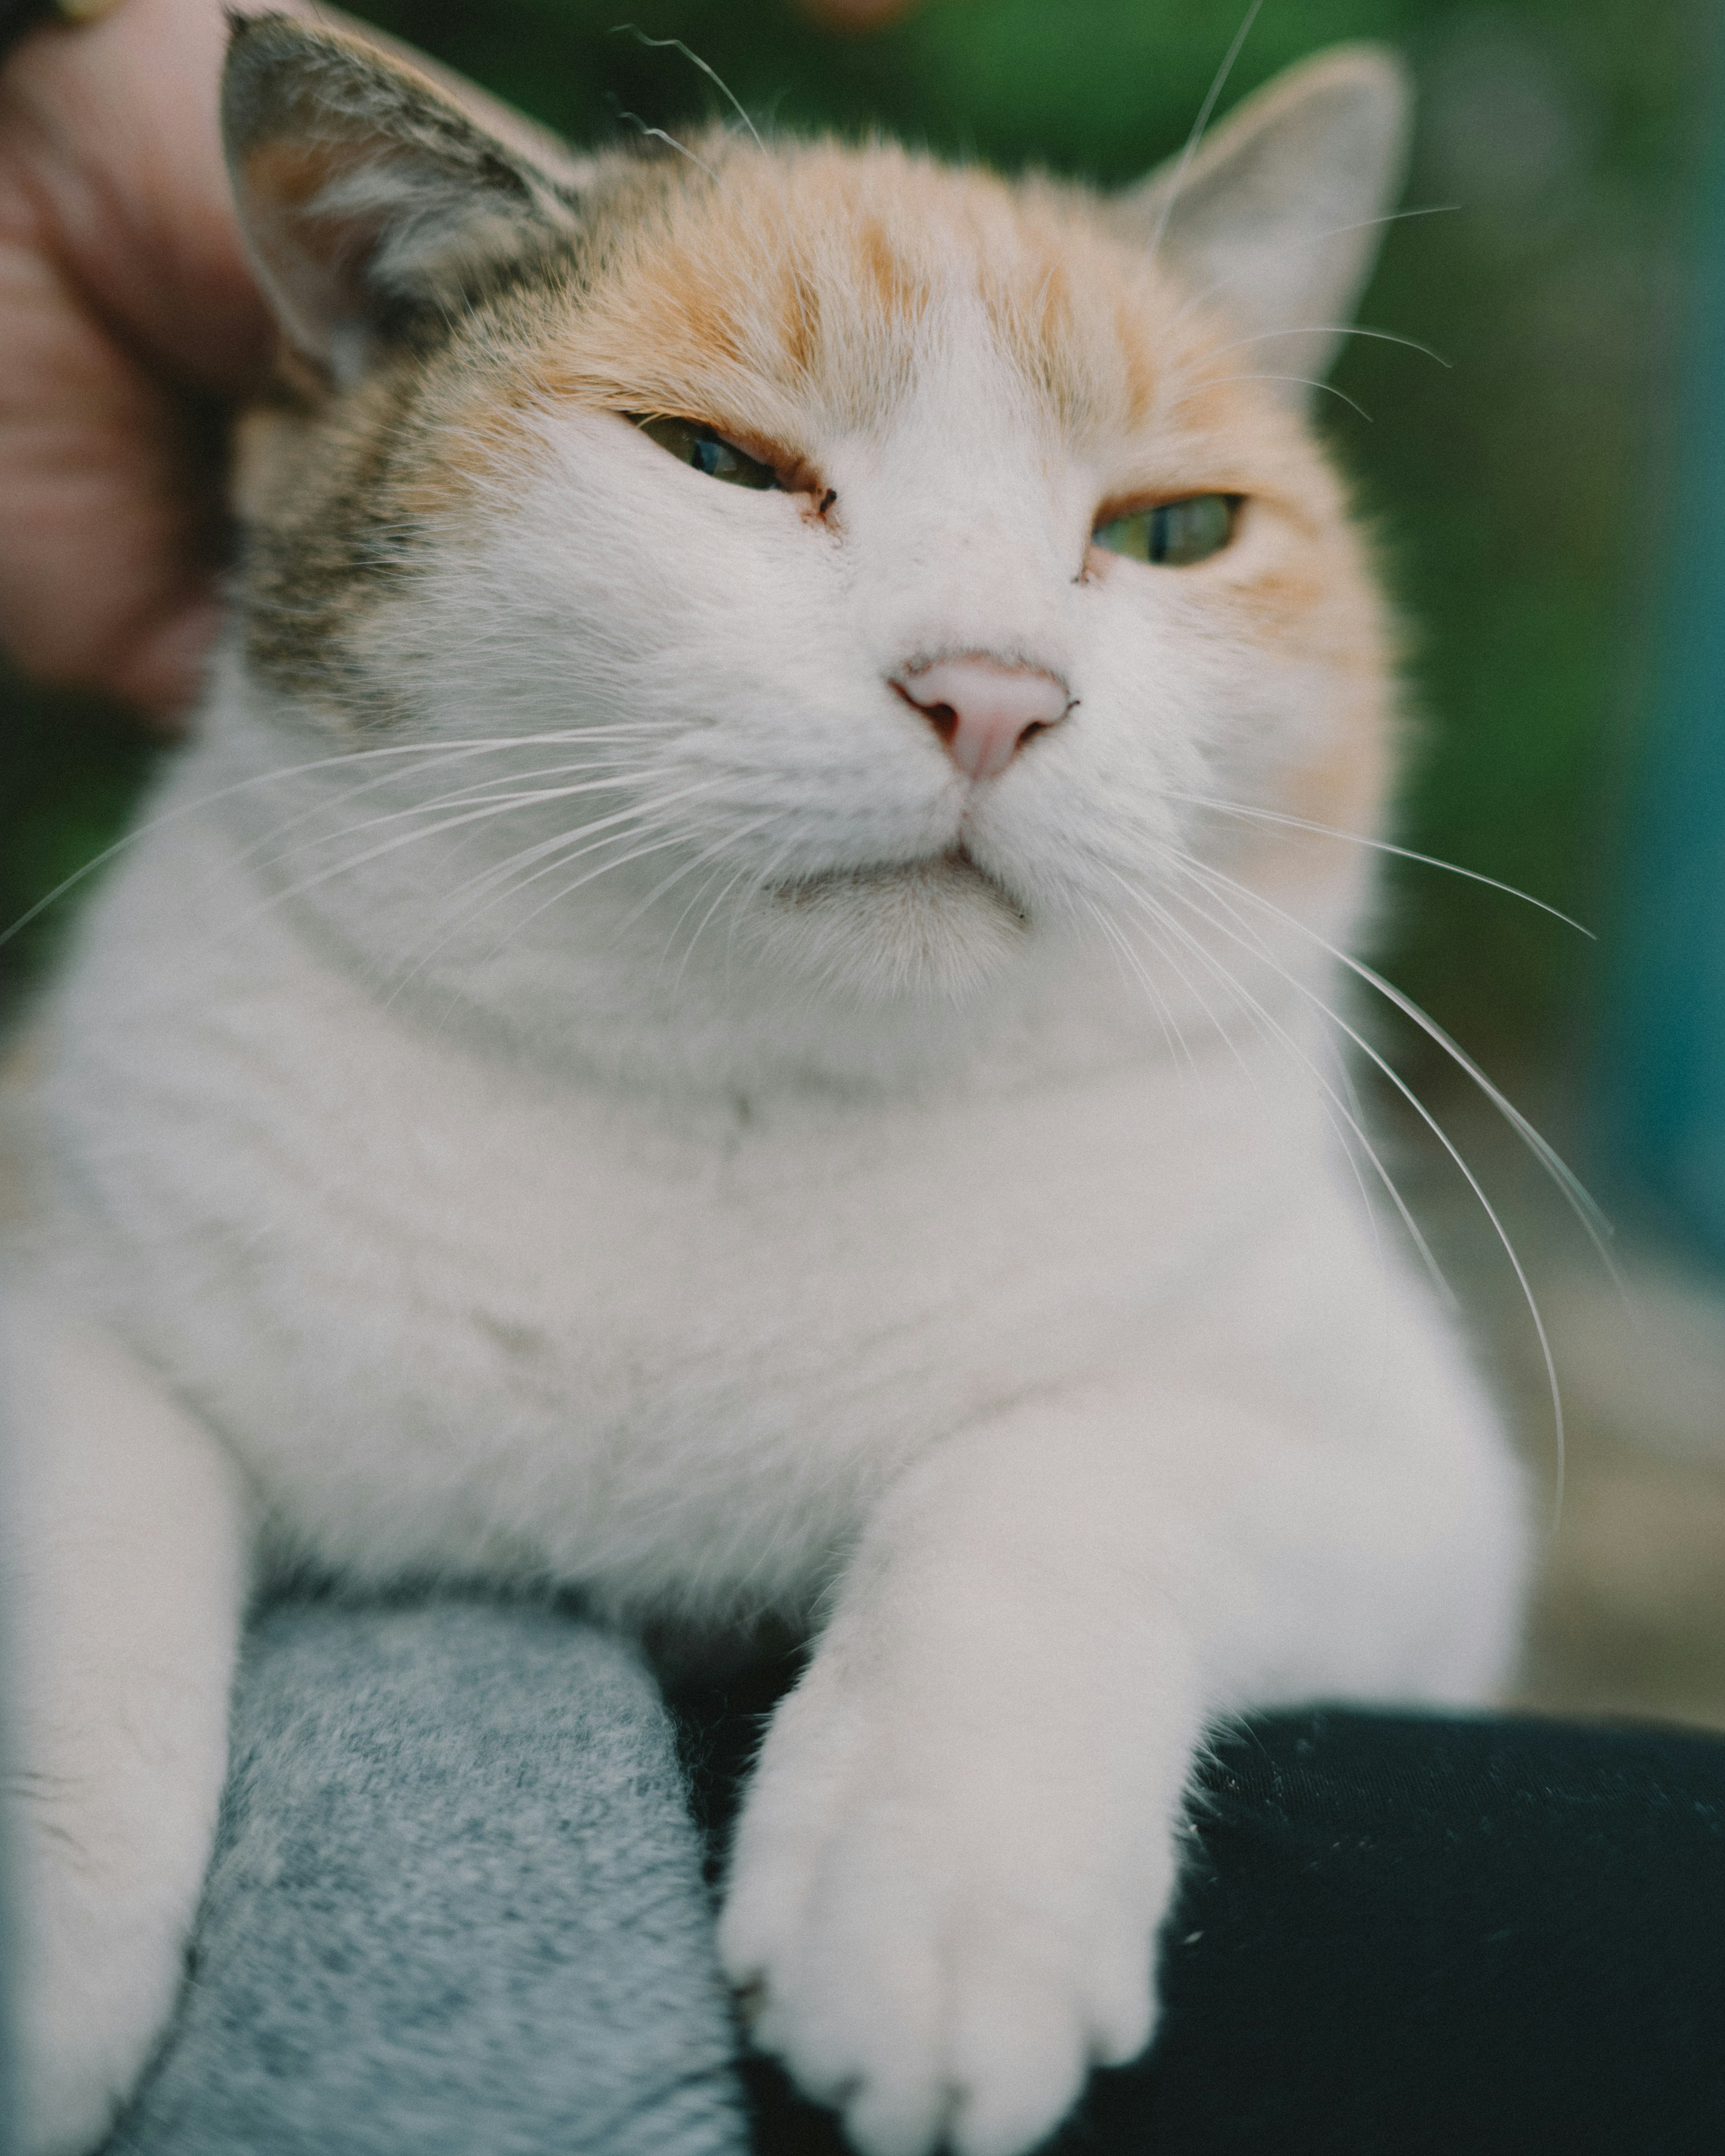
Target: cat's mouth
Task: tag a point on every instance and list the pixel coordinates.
(934, 878)
(937, 926)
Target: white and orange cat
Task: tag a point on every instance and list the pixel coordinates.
(731, 1011)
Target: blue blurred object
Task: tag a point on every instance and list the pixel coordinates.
(1667, 1049)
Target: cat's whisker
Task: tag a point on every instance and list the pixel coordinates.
(1200, 299)
(1343, 1112)
(303, 884)
(715, 874)
(492, 745)
(694, 58)
(568, 846)
(1346, 1114)
(724, 890)
(396, 775)
(555, 853)
(1190, 149)
(276, 777)
(1348, 1111)
(1271, 1030)
(661, 135)
(521, 797)
(1581, 1200)
(1332, 329)
(727, 837)
(468, 816)
(726, 887)
(1177, 1044)
(742, 870)
(625, 830)
(761, 878)
(1377, 846)
(1162, 918)
(553, 848)
(736, 104)
(1195, 872)
(552, 853)
(516, 789)
(1303, 381)
(249, 855)
(657, 845)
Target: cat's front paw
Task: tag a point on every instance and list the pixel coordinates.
(99, 1962)
(927, 1946)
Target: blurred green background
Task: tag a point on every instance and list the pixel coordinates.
(1521, 493)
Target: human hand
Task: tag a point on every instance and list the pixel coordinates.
(128, 319)
(130, 326)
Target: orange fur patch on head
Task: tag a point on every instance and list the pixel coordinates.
(782, 295)
(786, 298)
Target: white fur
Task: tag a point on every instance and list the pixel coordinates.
(957, 1250)
(125, 1543)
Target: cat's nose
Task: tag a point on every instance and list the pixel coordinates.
(982, 708)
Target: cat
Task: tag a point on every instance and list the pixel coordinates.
(732, 1012)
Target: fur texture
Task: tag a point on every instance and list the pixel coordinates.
(575, 1084)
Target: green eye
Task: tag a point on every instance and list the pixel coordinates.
(1173, 533)
(691, 444)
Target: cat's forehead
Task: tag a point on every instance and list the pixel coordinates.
(817, 285)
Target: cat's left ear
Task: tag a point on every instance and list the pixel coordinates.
(1276, 220)
(368, 199)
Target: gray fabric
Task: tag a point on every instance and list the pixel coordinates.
(456, 1906)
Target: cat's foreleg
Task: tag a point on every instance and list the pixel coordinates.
(964, 1831)
(125, 1548)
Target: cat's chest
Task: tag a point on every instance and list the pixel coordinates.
(453, 1318)
(620, 1258)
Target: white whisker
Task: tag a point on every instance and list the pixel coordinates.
(654, 846)
(280, 776)
(1580, 1199)
(724, 890)
(1217, 86)
(480, 803)
(1177, 1043)
(1313, 239)
(1377, 846)
(1305, 381)
(566, 846)
(659, 135)
(552, 853)
(725, 90)
(1196, 873)
(1332, 328)
(1351, 1118)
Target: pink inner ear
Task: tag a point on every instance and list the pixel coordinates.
(311, 260)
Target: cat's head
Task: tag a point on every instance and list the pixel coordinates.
(730, 572)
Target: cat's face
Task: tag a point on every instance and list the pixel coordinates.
(897, 560)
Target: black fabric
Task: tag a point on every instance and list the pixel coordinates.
(1395, 1935)
(1403, 1936)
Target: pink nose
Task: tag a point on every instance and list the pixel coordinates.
(982, 708)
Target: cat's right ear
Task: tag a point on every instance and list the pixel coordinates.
(1274, 219)
(368, 199)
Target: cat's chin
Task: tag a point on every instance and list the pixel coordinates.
(936, 929)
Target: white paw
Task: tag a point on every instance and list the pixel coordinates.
(929, 1946)
(100, 1960)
